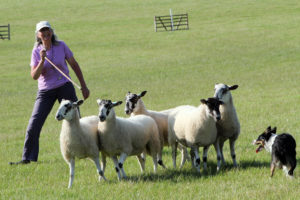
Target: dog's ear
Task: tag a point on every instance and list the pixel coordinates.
(274, 130)
(268, 129)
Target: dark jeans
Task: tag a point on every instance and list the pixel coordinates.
(43, 104)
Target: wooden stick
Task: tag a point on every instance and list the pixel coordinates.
(62, 73)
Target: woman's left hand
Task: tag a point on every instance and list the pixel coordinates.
(85, 92)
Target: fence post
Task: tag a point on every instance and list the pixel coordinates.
(171, 19)
(155, 26)
(8, 27)
(187, 21)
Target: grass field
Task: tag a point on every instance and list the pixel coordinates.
(252, 43)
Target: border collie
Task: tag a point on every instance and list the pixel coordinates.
(282, 148)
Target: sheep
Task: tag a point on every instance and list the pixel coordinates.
(194, 127)
(127, 136)
(229, 125)
(135, 106)
(78, 137)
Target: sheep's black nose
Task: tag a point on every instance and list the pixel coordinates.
(102, 118)
(58, 117)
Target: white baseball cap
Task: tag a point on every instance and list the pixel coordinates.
(42, 24)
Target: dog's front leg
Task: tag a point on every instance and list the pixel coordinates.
(273, 166)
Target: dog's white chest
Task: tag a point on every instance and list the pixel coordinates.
(270, 142)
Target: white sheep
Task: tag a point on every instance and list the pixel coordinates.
(135, 106)
(229, 125)
(78, 137)
(127, 136)
(195, 127)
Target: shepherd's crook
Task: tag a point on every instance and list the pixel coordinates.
(62, 73)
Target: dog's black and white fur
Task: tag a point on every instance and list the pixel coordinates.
(282, 148)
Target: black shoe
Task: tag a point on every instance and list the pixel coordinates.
(22, 162)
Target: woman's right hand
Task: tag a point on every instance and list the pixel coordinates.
(43, 54)
(37, 70)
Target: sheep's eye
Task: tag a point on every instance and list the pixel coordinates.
(134, 99)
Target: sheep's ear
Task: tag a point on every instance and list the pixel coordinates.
(78, 103)
(233, 87)
(142, 93)
(274, 130)
(117, 103)
(203, 101)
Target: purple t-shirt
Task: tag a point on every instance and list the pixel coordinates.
(50, 78)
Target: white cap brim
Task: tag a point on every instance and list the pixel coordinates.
(42, 24)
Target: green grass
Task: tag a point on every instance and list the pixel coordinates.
(252, 43)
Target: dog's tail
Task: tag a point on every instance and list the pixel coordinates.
(292, 162)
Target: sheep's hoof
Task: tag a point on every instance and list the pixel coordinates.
(102, 178)
(160, 162)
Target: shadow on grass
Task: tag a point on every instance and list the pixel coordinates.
(176, 175)
(190, 173)
(246, 164)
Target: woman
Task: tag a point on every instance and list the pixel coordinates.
(52, 85)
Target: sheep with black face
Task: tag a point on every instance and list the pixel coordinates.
(229, 125)
(127, 136)
(195, 127)
(135, 106)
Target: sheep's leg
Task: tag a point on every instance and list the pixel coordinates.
(103, 162)
(144, 156)
(205, 150)
(154, 158)
(221, 144)
(217, 148)
(122, 159)
(192, 154)
(160, 161)
(72, 171)
(115, 160)
(174, 152)
(232, 151)
(100, 172)
(184, 156)
(141, 162)
(197, 158)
